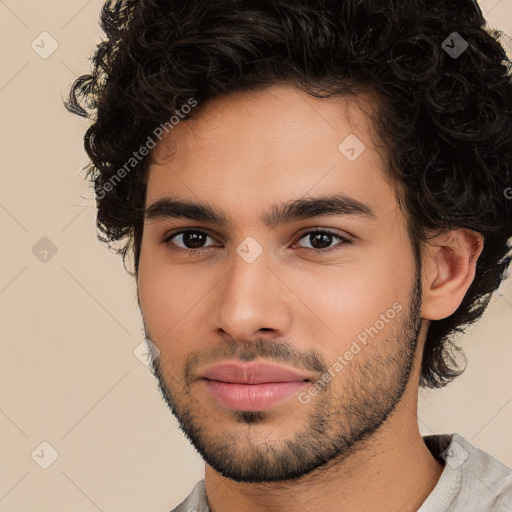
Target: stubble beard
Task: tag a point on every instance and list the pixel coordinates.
(337, 424)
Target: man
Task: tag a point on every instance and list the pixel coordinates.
(315, 194)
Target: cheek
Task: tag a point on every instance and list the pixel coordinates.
(348, 304)
(160, 309)
(170, 300)
(159, 299)
(367, 296)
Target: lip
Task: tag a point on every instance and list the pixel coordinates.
(252, 397)
(252, 386)
(252, 373)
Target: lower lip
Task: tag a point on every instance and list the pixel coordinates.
(253, 397)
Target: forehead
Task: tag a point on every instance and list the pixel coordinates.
(273, 117)
(275, 144)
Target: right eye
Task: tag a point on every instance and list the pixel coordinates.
(191, 240)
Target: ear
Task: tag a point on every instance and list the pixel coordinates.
(449, 263)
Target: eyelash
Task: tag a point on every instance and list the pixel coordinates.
(197, 252)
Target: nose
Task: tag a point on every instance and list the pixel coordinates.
(252, 300)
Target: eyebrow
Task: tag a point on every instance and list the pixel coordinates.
(304, 208)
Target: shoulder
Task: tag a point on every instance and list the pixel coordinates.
(490, 477)
(472, 479)
(196, 501)
(486, 483)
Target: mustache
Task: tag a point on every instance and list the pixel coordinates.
(272, 351)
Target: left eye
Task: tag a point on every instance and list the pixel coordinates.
(321, 237)
(320, 240)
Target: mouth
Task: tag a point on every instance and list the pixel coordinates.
(253, 396)
(257, 372)
(254, 386)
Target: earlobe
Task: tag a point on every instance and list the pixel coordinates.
(450, 264)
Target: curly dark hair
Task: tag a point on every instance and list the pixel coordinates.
(445, 121)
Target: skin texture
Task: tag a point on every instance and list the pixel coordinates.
(356, 444)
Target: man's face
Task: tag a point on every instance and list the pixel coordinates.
(343, 314)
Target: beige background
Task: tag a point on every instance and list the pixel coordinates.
(69, 376)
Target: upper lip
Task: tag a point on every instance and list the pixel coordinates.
(251, 373)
